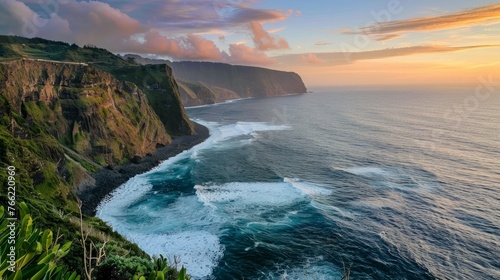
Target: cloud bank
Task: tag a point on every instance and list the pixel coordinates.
(147, 27)
(391, 29)
(264, 41)
(343, 58)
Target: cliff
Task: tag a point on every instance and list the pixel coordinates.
(47, 108)
(70, 118)
(246, 81)
(86, 109)
(155, 81)
(162, 91)
(209, 82)
(195, 94)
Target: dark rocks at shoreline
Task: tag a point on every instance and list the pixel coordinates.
(110, 178)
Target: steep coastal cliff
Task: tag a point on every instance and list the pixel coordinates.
(67, 121)
(194, 94)
(209, 82)
(246, 81)
(86, 109)
(162, 91)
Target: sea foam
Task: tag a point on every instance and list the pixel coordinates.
(199, 251)
(186, 228)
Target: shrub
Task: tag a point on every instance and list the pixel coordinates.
(36, 252)
(123, 268)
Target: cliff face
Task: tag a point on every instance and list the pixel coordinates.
(246, 81)
(88, 110)
(195, 94)
(156, 81)
(207, 82)
(62, 122)
(162, 91)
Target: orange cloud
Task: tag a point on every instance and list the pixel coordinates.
(264, 41)
(388, 37)
(241, 54)
(106, 26)
(343, 58)
(311, 58)
(189, 47)
(195, 16)
(78, 21)
(481, 15)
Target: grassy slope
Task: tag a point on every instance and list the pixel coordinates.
(44, 180)
(154, 80)
(46, 171)
(13, 47)
(157, 82)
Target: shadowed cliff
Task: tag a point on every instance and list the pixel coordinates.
(209, 82)
(84, 108)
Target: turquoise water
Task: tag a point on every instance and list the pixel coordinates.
(397, 183)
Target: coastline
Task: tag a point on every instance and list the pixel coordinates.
(107, 180)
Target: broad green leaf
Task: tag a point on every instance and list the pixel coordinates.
(182, 274)
(47, 259)
(72, 276)
(40, 273)
(160, 275)
(47, 239)
(18, 275)
(23, 208)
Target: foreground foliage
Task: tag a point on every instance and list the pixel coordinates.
(37, 254)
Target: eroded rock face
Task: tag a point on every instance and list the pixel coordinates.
(161, 89)
(87, 109)
(195, 94)
(203, 83)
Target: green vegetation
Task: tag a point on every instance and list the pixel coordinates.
(156, 81)
(37, 254)
(246, 81)
(139, 269)
(88, 110)
(56, 121)
(162, 91)
(44, 179)
(14, 47)
(208, 82)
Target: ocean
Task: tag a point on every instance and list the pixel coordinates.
(390, 183)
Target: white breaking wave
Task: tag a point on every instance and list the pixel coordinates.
(219, 103)
(187, 229)
(198, 251)
(308, 188)
(247, 128)
(314, 268)
(367, 171)
(234, 198)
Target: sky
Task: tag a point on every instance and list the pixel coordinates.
(341, 42)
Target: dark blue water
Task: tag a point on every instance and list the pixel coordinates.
(395, 183)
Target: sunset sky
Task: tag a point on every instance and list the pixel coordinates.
(326, 42)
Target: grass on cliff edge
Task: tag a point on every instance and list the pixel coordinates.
(43, 180)
(15, 47)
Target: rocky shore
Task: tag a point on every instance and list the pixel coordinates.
(108, 179)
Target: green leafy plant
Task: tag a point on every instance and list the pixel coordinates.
(123, 268)
(36, 252)
(162, 271)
